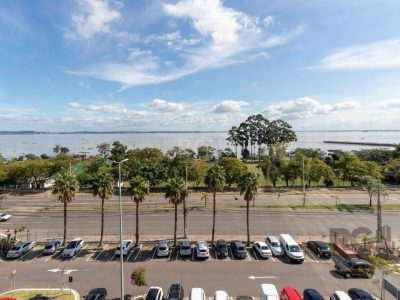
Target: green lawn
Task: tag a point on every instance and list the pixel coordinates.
(26, 294)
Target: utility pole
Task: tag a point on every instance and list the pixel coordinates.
(184, 205)
(304, 185)
(379, 215)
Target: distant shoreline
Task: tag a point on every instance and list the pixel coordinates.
(22, 132)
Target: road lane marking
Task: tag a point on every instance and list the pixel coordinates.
(112, 257)
(273, 259)
(105, 246)
(137, 254)
(20, 258)
(154, 252)
(130, 254)
(193, 255)
(75, 257)
(40, 254)
(177, 254)
(312, 255)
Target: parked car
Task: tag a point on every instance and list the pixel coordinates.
(262, 249)
(4, 217)
(220, 295)
(291, 248)
(97, 294)
(320, 248)
(175, 292)
(162, 249)
(127, 246)
(72, 248)
(238, 249)
(359, 294)
(20, 249)
(221, 249)
(289, 293)
(154, 293)
(268, 292)
(197, 294)
(339, 295)
(51, 247)
(311, 294)
(355, 267)
(274, 244)
(185, 248)
(202, 250)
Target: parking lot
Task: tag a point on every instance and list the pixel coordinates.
(147, 252)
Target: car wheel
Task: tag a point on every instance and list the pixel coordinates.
(347, 275)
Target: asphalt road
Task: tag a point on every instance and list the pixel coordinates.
(303, 225)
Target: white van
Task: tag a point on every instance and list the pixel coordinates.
(268, 292)
(291, 248)
(197, 294)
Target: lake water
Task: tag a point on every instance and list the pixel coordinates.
(14, 145)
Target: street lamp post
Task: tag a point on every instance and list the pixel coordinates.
(120, 226)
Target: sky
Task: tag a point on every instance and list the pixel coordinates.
(148, 65)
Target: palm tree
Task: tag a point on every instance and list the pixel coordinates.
(205, 196)
(66, 185)
(103, 186)
(139, 188)
(248, 183)
(176, 192)
(215, 180)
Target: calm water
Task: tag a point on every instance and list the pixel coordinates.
(14, 145)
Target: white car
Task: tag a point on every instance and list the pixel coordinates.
(162, 249)
(51, 247)
(274, 244)
(339, 295)
(127, 246)
(4, 217)
(262, 249)
(185, 248)
(202, 249)
(72, 248)
(20, 249)
(221, 295)
(154, 293)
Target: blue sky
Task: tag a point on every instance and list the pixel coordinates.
(198, 64)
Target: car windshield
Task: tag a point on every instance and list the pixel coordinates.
(348, 263)
(48, 247)
(275, 244)
(162, 248)
(15, 248)
(185, 247)
(241, 248)
(295, 249)
(152, 294)
(264, 248)
(72, 245)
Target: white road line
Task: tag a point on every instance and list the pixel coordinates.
(40, 254)
(51, 256)
(273, 259)
(137, 254)
(230, 252)
(309, 252)
(154, 252)
(130, 254)
(24, 255)
(112, 257)
(193, 255)
(255, 255)
(177, 254)
(76, 255)
(105, 246)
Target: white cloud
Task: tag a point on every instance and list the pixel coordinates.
(346, 105)
(305, 107)
(108, 108)
(392, 103)
(229, 106)
(377, 55)
(220, 36)
(164, 106)
(95, 17)
(268, 21)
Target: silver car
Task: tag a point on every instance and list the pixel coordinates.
(274, 244)
(185, 248)
(162, 249)
(20, 249)
(51, 247)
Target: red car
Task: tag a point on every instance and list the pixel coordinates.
(289, 293)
